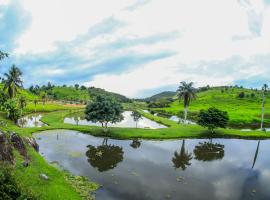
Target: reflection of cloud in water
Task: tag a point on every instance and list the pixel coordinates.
(148, 172)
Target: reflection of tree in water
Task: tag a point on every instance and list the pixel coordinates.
(181, 159)
(22, 122)
(104, 157)
(135, 144)
(256, 154)
(207, 151)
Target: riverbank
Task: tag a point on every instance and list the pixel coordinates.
(60, 184)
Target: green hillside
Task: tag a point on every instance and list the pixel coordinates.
(82, 94)
(162, 95)
(22, 92)
(243, 112)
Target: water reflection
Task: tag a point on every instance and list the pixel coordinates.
(104, 157)
(207, 151)
(256, 154)
(148, 173)
(31, 121)
(135, 144)
(128, 121)
(182, 158)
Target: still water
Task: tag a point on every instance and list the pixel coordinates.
(128, 121)
(31, 121)
(191, 169)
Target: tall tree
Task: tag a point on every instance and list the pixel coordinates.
(104, 109)
(22, 103)
(13, 81)
(187, 92)
(264, 90)
(43, 98)
(35, 103)
(136, 117)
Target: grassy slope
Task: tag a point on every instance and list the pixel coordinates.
(241, 111)
(70, 93)
(28, 178)
(55, 120)
(28, 95)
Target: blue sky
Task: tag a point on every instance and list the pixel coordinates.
(137, 47)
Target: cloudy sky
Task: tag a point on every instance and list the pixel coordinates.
(137, 47)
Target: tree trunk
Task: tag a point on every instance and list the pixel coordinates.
(185, 114)
(262, 112)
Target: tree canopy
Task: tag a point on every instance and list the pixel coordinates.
(104, 109)
(213, 118)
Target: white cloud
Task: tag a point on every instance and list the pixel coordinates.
(207, 31)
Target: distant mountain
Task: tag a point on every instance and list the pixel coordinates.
(162, 95)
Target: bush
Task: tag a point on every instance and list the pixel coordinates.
(241, 95)
(213, 118)
(9, 189)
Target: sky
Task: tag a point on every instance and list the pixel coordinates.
(137, 47)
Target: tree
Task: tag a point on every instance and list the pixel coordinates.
(187, 92)
(136, 117)
(104, 109)
(264, 91)
(43, 98)
(241, 95)
(13, 81)
(77, 86)
(181, 159)
(22, 103)
(12, 109)
(35, 103)
(213, 118)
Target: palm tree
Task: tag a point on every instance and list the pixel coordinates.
(35, 103)
(44, 98)
(187, 92)
(13, 81)
(264, 90)
(181, 159)
(22, 103)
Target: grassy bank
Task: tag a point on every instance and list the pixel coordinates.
(61, 185)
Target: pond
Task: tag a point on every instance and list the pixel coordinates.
(33, 120)
(197, 169)
(127, 122)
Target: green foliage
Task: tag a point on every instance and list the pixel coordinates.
(136, 116)
(3, 55)
(161, 103)
(13, 81)
(241, 95)
(162, 95)
(104, 110)
(12, 109)
(186, 91)
(213, 118)
(9, 189)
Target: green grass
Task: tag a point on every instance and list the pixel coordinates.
(55, 121)
(242, 112)
(70, 94)
(60, 184)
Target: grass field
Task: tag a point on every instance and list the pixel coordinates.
(242, 112)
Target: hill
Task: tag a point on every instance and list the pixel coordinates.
(244, 106)
(22, 92)
(162, 95)
(70, 93)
